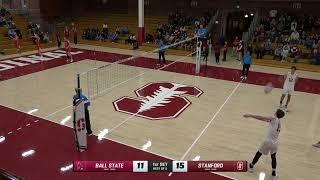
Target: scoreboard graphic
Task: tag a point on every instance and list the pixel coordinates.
(160, 166)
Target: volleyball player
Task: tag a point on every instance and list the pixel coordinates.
(288, 86)
(68, 49)
(17, 43)
(38, 44)
(270, 143)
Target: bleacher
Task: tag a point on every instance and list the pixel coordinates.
(95, 20)
(7, 45)
(304, 60)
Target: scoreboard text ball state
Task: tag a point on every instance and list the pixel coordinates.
(160, 166)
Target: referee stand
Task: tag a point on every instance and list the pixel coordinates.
(79, 119)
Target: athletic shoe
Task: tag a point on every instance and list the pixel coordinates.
(317, 145)
(242, 77)
(250, 168)
(274, 177)
(245, 78)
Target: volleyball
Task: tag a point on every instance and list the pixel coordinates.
(268, 88)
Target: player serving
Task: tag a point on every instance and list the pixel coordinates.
(288, 87)
(270, 144)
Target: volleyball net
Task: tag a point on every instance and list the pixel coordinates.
(112, 70)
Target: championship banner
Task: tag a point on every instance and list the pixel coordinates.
(79, 125)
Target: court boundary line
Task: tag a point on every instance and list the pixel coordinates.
(209, 123)
(131, 146)
(156, 69)
(211, 120)
(119, 84)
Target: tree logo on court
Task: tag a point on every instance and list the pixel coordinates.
(157, 101)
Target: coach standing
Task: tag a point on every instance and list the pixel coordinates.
(86, 106)
(247, 60)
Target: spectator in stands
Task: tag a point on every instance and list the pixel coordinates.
(11, 33)
(309, 42)
(295, 52)
(285, 52)
(316, 59)
(2, 21)
(278, 52)
(315, 48)
(114, 37)
(149, 38)
(268, 47)
(131, 39)
(294, 37)
(105, 27)
(260, 51)
(46, 37)
(8, 17)
(98, 35)
(105, 31)
(294, 25)
(32, 28)
(3, 11)
(12, 25)
(124, 30)
(117, 31)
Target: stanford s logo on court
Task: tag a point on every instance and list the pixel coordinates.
(156, 101)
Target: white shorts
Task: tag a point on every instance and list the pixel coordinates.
(288, 90)
(268, 146)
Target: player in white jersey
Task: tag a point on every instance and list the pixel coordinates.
(288, 86)
(270, 143)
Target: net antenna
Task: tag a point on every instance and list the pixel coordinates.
(210, 27)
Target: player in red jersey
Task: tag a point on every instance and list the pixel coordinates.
(38, 44)
(66, 32)
(17, 43)
(68, 49)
